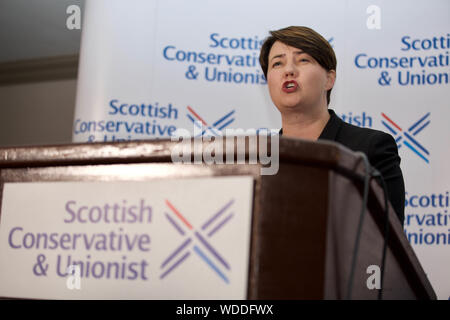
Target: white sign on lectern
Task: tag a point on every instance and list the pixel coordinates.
(160, 239)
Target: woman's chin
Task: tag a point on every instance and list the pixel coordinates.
(290, 106)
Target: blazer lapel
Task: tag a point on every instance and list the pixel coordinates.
(332, 127)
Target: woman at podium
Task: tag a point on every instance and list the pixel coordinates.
(300, 68)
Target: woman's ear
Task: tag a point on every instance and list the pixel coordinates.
(331, 78)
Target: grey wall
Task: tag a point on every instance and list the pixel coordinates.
(37, 113)
(32, 29)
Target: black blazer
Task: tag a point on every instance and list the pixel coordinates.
(381, 150)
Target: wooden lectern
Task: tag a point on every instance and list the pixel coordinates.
(305, 218)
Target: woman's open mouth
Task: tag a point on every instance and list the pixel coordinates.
(290, 86)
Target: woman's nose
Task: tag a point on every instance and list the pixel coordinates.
(289, 73)
(290, 70)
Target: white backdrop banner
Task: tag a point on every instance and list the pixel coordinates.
(148, 68)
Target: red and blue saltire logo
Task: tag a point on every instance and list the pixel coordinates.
(213, 129)
(195, 241)
(408, 137)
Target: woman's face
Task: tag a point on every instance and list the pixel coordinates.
(295, 79)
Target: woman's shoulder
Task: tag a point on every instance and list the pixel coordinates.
(363, 139)
(350, 129)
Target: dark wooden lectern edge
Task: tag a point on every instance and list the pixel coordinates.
(85, 153)
(322, 153)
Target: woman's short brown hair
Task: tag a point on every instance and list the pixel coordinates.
(303, 38)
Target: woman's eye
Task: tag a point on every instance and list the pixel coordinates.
(276, 64)
(304, 60)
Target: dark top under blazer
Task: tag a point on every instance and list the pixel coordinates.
(381, 150)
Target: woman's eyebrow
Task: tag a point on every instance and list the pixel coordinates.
(277, 56)
(283, 54)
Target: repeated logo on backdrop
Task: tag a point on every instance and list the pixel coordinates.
(413, 68)
(427, 218)
(130, 121)
(229, 60)
(146, 121)
(408, 137)
(213, 129)
(403, 135)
